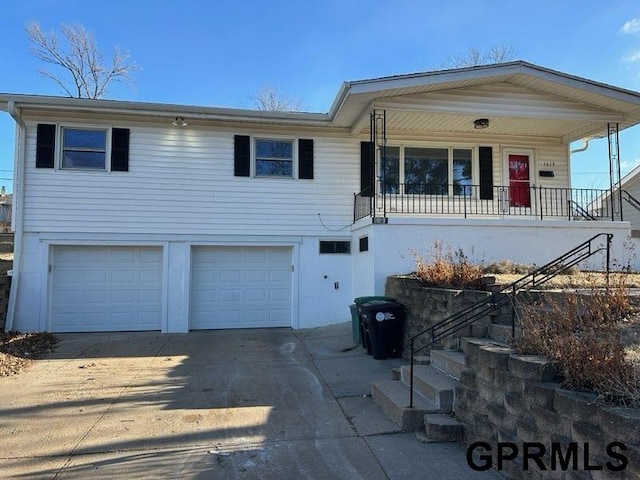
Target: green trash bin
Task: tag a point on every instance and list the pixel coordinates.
(357, 326)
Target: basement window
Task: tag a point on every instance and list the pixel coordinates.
(364, 244)
(335, 246)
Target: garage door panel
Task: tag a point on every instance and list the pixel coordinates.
(240, 287)
(255, 276)
(106, 288)
(230, 276)
(256, 295)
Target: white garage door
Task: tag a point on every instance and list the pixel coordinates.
(96, 289)
(240, 287)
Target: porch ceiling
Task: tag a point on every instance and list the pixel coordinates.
(519, 99)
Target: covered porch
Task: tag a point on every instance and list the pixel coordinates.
(492, 141)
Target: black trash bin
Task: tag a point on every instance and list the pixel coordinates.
(357, 322)
(383, 321)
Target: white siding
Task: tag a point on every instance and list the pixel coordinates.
(182, 181)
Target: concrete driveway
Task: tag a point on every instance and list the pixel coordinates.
(234, 404)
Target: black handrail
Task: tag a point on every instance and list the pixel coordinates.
(631, 200)
(470, 314)
(579, 210)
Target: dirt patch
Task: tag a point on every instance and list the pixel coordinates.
(18, 350)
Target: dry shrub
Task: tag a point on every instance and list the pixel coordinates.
(507, 267)
(580, 335)
(447, 269)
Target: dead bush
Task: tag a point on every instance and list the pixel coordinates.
(581, 336)
(507, 267)
(445, 268)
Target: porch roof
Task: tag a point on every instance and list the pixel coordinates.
(518, 98)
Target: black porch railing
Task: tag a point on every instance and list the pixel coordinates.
(472, 200)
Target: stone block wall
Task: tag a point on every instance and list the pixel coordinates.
(426, 306)
(506, 397)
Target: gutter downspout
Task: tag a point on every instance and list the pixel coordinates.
(18, 202)
(585, 145)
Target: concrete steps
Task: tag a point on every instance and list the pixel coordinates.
(434, 385)
(502, 333)
(435, 379)
(441, 428)
(433, 397)
(452, 362)
(393, 397)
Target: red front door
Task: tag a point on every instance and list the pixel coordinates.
(519, 181)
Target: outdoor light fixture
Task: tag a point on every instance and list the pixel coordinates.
(481, 123)
(179, 122)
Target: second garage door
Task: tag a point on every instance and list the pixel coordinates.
(240, 287)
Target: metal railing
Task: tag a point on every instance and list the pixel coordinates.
(473, 200)
(507, 294)
(631, 200)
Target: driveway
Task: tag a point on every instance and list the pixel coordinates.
(227, 404)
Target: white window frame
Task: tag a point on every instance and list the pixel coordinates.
(274, 138)
(401, 172)
(60, 150)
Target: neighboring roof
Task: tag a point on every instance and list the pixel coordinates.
(575, 107)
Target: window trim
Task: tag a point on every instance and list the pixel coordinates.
(449, 147)
(274, 138)
(59, 154)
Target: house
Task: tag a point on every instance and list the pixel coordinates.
(145, 216)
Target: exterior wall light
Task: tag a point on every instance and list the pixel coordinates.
(481, 123)
(179, 122)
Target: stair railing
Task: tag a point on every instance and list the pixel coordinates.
(507, 294)
(575, 206)
(631, 200)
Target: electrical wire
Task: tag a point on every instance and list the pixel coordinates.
(332, 229)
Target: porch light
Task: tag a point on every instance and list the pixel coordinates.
(481, 123)
(179, 122)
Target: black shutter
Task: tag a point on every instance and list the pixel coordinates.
(120, 150)
(367, 166)
(305, 159)
(486, 172)
(45, 145)
(242, 156)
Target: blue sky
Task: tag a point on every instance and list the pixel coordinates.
(221, 53)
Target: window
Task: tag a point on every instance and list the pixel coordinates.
(462, 172)
(427, 170)
(364, 244)
(391, 170)
(84, 148)
(335, 246)
(274, 158)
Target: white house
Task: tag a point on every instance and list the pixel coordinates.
(144, 216)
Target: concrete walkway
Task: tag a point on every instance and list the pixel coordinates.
(233, 404)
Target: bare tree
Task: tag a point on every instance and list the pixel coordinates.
(270, 99)
(499, 53)
(84, 71)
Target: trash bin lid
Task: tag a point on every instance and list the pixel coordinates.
(377, 304)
